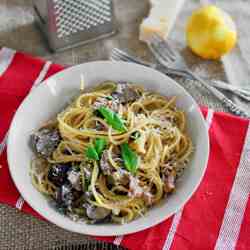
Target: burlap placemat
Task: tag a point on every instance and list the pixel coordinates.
(20, 231)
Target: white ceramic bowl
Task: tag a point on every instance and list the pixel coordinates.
(50, 97)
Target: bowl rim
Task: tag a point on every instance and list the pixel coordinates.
(103, 233)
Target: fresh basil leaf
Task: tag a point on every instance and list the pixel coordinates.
(135, 135)
(109, 97)
(92, 154)
(129, 157)
(100, 145)
(107, 113)
(118, 123)
(113, 119)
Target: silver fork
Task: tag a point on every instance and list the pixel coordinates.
(120, 55)
(171, 58)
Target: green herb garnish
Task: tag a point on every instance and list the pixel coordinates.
(100, 145)
(129, 157)
(112, 118)
(95, 153)
(92, 154)
(109, 97)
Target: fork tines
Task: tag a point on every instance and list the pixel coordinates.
(161, 49)
(119, 55)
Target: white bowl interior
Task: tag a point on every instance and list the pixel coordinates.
(49, 98)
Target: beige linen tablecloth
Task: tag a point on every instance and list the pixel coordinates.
(17, 30)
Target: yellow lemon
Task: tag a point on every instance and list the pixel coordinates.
(210, 32)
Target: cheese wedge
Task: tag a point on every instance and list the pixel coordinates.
(161, 19)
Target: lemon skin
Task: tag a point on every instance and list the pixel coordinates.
(210, 32)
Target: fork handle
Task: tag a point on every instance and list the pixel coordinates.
(244, 93)
(227, 102)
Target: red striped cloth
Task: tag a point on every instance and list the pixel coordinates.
(218, 214)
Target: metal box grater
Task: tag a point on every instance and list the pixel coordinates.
(69, 23)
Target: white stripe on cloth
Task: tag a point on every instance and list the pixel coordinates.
(118, 239)
(177, 216)
(3, 143)
(172, 230)
(238, 198)
(19, 203)
(39, 79)
(209, 118)
(42, 74)
(6, 58)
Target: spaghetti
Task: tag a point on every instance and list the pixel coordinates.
(114, 152)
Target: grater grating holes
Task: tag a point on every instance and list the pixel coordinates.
(79, 15)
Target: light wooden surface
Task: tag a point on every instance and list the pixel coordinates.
(17, 31)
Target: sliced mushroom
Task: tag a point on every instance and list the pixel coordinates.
(122, 176)
(45, 141)
(125, 93)
(86, 167)
(97, 213)
(74, 178)
(58, 174)
(64, 196)
(88, 195)
(105, 166)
